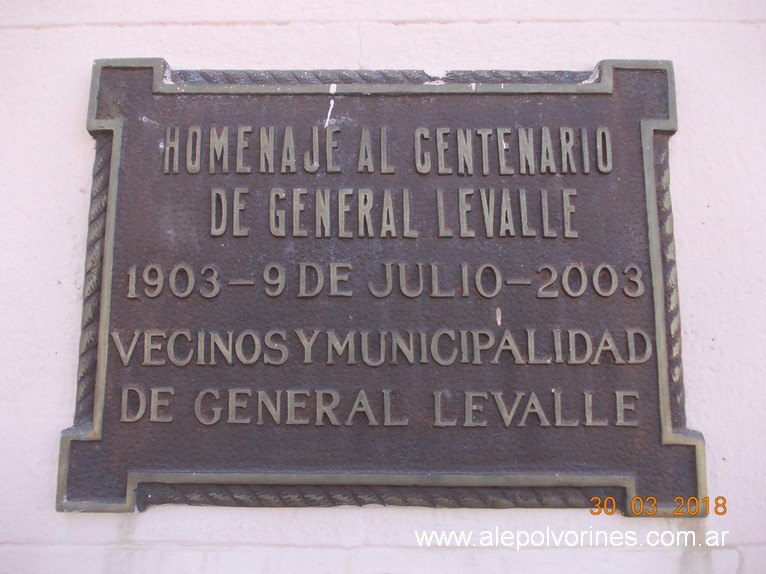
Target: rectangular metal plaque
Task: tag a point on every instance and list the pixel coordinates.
(352, 287)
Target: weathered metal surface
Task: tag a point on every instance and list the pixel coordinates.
(321, 288)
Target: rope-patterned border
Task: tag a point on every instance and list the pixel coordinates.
(94, 256)
(371, 77)
(670, 275)
(151, 494)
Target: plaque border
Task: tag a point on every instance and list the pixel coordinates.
(551, 489)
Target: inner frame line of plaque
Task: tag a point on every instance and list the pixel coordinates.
(601, 81)
(668, 434)
(116, 126)
(447, 480)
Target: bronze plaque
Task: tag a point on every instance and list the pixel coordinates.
(352, 287)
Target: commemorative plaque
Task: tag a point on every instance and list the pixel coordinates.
(380, 287)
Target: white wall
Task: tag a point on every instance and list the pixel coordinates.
(717, 167)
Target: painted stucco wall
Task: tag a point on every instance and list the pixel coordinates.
(719, 200)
